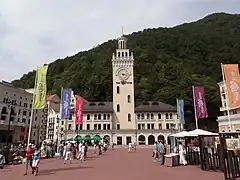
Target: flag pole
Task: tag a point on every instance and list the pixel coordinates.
(227, 102)
(195, 112)
(74, 122)
(179, 128)
(32, 110)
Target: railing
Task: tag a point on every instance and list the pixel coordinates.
(233, 117)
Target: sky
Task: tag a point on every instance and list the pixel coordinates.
(35, 32)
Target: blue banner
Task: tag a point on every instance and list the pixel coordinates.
(180, 106)
(66, 103)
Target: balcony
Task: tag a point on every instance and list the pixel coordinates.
(146, 120)
(233, 117)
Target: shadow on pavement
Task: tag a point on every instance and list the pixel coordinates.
(53, 171)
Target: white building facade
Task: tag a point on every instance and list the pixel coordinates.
(124, 120)
(234, 113)
(16, 105)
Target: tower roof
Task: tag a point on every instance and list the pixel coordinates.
(122, 38)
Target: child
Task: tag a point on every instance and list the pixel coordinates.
(36, 160)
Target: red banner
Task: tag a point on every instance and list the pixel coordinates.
(79, 110)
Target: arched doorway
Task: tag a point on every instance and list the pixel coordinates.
(151, 139)
(3, 113)
(161, 138)
(141, 139)
(106, 138)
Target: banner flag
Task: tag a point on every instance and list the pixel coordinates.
(180, 106)
(200, 103)
(232, 81)
(40, 87)
(66, 103)
(79, 110)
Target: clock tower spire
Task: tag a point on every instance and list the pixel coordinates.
(123, 87)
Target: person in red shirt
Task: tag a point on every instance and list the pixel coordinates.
(29, 158)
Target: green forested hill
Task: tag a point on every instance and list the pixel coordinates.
(168, 61)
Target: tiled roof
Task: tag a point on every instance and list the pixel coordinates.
(92, 107)
(50, 97)
(154, 106)
(149, 106)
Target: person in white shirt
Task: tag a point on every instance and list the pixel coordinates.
(69, 154)
(79, 150)
(182, 154)
(129, 147)
(83, 148)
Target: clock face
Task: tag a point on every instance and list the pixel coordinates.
(123, 73)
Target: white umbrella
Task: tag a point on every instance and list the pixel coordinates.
(200, 132)
(180, 134)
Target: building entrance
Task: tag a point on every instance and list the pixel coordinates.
(119, 140)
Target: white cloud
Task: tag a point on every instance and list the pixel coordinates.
(40, 31)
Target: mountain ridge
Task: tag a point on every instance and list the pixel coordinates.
(168, 62)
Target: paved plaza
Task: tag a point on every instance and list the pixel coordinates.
(115, 164)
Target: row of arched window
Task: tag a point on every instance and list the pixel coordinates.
(99, 116)
(151, 116)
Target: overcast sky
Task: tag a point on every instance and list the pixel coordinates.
(34, 32)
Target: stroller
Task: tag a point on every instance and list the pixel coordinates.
(2, 160)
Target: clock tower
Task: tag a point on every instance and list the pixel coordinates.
(123, 87)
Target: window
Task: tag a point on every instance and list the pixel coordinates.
(126, 54)
(80, 126)
(152, 126)
(142, 116)
(148, 126)
(148, 116)
(34, 134)
(143, 126)
(129, 98)
(160, 126)
(166, 116)
(88, 116)
(139, 126)
(62, 123)
(167, 126)
(88, 126)
(223, 96)
(99, 116)
(129, 117)
(99, 127)
(19, 111)
(69, 126)
(95, 126)
(108, 126)
(108, 116)
(118, 108)
(138, 116)
(104, 126)
(171, 116)
(77, 127)
(104, 116)
(118, 126)
(24, 113)
(95, 116)
(118, 90)
(152, 116)
(173, 126)
(159, 116)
